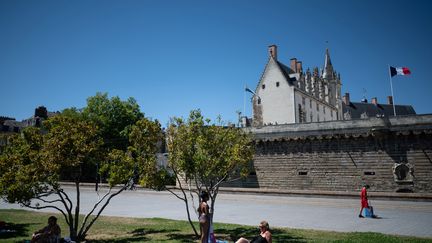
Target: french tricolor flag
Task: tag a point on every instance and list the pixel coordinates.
(399, 71)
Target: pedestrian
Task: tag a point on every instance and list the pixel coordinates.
(204, 217)
(363, 200)
(265, 235)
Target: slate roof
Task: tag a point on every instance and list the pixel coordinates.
(356, 109)
(286, 71)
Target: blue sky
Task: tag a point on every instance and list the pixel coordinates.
(174, 56)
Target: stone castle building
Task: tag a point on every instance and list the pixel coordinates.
(308, 137)
(287, 94)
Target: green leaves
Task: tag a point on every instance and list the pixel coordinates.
(70, 142)
(21, 169)
(207, 152)
(139, 160)
(114, 117)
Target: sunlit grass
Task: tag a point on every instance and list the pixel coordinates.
(120, 229)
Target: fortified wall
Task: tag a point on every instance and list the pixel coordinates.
(390, 154)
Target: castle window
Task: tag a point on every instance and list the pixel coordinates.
(263, 86)
(310, 105)
(324, 109)
(302, 173)
(302, 114)
(369, 173)
(277, 84)
(303, 100)
(317, 107)
(259, 101)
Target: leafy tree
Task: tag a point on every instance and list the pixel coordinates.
(32, 162)
(203, 155)
(114, 117)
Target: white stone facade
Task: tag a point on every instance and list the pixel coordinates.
(286, 95)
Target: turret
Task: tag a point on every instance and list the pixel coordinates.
(328, 72)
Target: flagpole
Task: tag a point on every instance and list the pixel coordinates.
(391, 87)
(244, 101)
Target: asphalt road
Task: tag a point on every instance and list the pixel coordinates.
(334, 214)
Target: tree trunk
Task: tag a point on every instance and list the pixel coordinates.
(189, 218)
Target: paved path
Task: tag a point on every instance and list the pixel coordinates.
(335, 214)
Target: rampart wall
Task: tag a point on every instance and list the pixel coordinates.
(390, 154)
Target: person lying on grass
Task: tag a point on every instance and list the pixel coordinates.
(264, 236)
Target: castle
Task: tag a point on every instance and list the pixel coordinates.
(308, 137)
(286, 95)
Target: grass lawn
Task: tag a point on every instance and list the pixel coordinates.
(119, 229)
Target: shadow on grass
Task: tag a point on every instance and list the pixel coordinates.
(138, 235)
(183, 237)
(121, 240)
(142, 231)
(249, 233)
(11, 230)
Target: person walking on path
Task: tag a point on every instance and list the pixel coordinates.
(363, 200)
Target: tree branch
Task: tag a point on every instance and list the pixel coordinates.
(77, 207)
(65, 205)
(48, 206)
(177, 177)
(175, 194)
(91, 211)
(48, 201)
(100, 211)
(61, 192)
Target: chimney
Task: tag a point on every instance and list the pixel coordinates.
(299, 67)
(346, 99)
(390, 100)
(273, 51)
(374, 101)
(41, 111)
(293, 64)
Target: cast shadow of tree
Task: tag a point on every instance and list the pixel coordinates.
(247, 232)
(185, 238)
(138, 235)
(12, 230)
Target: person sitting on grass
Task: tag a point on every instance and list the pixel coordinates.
(49, 234)
(264, 236)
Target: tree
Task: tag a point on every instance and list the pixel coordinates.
(32, 163)
(114, 117)
(203, 155)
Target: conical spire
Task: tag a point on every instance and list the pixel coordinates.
(328, 67)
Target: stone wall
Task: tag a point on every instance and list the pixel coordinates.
(389, 154)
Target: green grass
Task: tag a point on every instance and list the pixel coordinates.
(120, 230)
